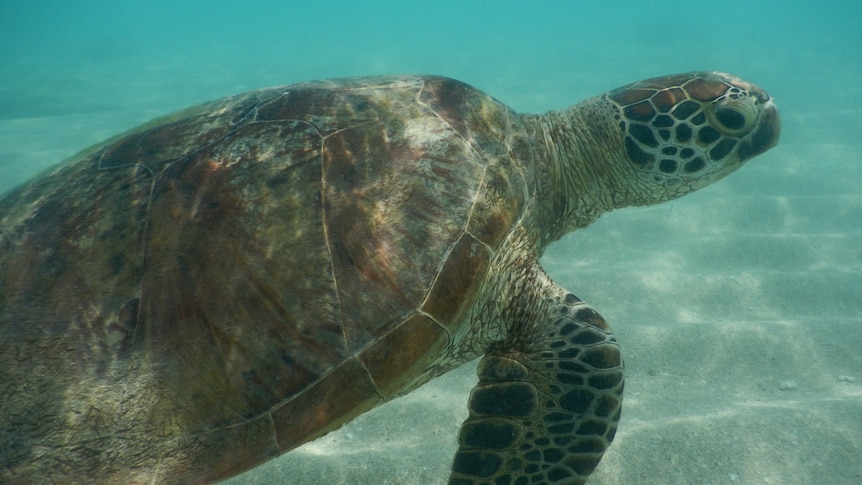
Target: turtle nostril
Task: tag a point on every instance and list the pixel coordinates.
(761, 97)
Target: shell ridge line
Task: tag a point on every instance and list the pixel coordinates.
(473, 203)
(328, 241)
(265, 102)
(475, 195)
(481, 155)
(406, 81)
(124, 165)
(136, 332)
(419, 92)
(460, 135)
(324, 217)
(346, 128)
(254, 110)
(237, 125)
(526, 183)
(518, 163)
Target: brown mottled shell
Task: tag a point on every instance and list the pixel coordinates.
(224, 284)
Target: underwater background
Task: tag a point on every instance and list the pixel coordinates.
(738, 308)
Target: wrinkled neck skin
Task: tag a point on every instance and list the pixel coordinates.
(585, 166)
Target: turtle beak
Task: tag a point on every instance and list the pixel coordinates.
(765, 135)
(768, 129)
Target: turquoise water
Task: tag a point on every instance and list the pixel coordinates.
(717, 298)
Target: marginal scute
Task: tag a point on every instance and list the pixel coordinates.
(339, 396)
(459, 279)
(398, 358)
(499, 203)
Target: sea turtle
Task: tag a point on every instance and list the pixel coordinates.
(221, 285)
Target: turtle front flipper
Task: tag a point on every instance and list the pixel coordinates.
(547, 403)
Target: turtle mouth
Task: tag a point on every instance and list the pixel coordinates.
(764, 136)
(760, 108)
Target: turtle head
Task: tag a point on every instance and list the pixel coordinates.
(685, 131)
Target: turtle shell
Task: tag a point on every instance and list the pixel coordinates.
(224, 284)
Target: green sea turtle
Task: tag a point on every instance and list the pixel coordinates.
(224, 284)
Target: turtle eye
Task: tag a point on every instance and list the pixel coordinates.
(730, 118)
(733, 116)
